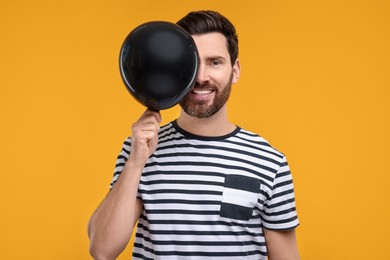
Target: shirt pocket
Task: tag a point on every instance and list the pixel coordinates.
(240, 195)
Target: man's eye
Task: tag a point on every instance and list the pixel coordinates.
(216, 62)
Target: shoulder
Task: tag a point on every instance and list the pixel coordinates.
(166, 129)
(255, 141)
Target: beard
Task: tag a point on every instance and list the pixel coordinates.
(201, 109)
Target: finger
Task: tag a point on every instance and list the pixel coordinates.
(150, 127)
(148, 135)
(151, 113)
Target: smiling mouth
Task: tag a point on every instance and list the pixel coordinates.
(202, 92)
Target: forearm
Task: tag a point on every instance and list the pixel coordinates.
(281, 245)
(282, 256)
(111, 225)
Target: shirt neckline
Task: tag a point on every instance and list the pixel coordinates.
(204, 138)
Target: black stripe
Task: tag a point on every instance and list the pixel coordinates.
(284, 229)
(235, 211)
(173, 137)
(284, 183)
(125, 150)
(222, 166)
(120, 164)
(282, 221)
(282, 174)
(281, 203)
(200, 243)
(204, 138)
(242, 183)
(122, 157)
(202, 223)
(117, 173)
(283, 193)
(265, 194)
(112, 184)
(282, 212)
(199, 233)
(174, 191)
(284, 164)
(141, 256)
(186, 202)
(181, 211)
(189, 182)
(189, 173)
(196, 253)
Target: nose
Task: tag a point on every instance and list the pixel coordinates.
(203, 74)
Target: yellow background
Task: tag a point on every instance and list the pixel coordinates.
(314, 82)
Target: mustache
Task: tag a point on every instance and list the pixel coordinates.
(206, 85)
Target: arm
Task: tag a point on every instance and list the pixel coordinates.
(281, 245)
(280, 217)
(112, 223)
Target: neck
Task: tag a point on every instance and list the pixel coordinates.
(216, 125)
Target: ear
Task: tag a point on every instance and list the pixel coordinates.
(236, 71)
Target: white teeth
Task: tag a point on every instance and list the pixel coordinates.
(201, 92)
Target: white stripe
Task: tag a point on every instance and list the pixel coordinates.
(239, 197)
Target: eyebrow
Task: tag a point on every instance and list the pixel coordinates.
(216, 58)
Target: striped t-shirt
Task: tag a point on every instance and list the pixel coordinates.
(210, 197)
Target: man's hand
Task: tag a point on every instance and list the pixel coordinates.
(145, 137)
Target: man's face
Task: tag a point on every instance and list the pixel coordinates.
(215, 77)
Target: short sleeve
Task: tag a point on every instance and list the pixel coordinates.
(280, 209)
(121, 161)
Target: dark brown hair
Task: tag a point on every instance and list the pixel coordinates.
(201, 22)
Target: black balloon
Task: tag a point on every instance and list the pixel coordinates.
(158, 64)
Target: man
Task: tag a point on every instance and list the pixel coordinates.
(199, 187)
